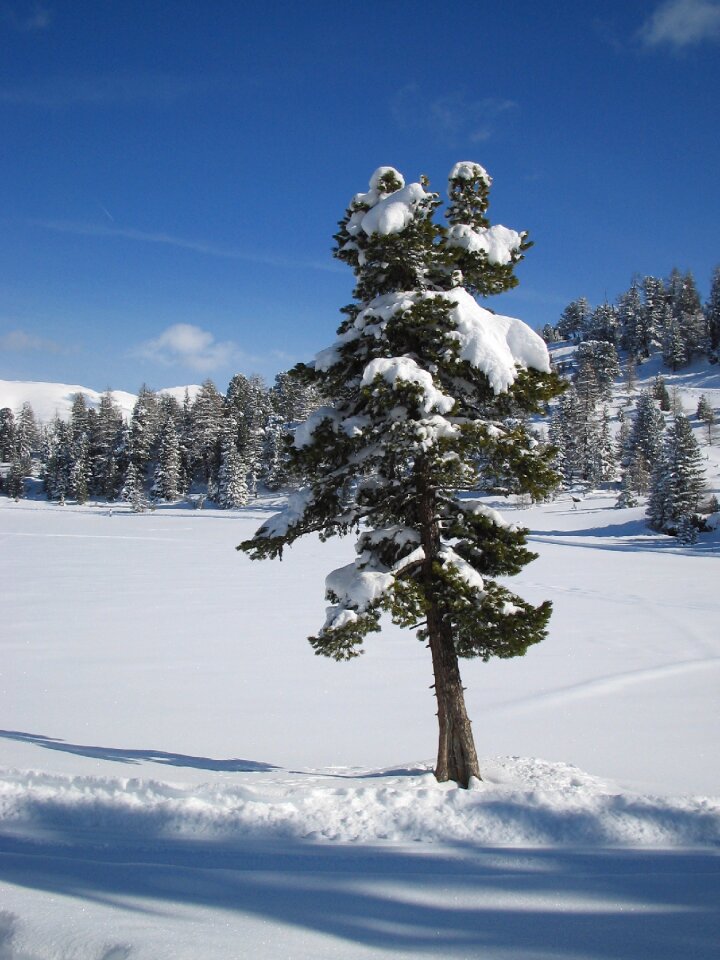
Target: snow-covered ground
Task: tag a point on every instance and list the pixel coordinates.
(183, 778)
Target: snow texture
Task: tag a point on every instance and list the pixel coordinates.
(498, 243)
(494, 344)
(395, 212)
(279, 524)
(467, 170)
(406, 369)
(356, 589)
(464, 570)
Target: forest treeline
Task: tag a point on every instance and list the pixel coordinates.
(215, 445)
(222, 446)
(645, 446)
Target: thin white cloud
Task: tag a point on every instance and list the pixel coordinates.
(185, 345)
(17, 341)
(37, 17)
(679, 24)
(453, 117)
(102, 90)
(198, 246)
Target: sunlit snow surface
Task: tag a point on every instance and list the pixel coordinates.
(184, 778)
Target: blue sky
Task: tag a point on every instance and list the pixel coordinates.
(172, 171)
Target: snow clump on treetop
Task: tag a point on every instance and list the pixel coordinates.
(468, 170)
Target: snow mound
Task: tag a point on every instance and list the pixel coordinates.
(521, 802)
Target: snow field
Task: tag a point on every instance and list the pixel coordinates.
(184, 779)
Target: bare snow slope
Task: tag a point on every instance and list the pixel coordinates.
(183, 778)
(51, 399)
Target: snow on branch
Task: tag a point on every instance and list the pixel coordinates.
(493, 344)
(292, 515)
(498, 243)
(405, 369)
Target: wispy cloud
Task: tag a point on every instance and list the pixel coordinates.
(102, 90)
(679, 24)
(17, 341)
(168, 239)
(185, 345)
(33, 17)
(453, 117)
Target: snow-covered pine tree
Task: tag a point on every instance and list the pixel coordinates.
(654, 298)
(108, 448)
(604, 324)
(7, 434)
(687, 313)
(26, 437)
(232, 485)
(58, 466)
(79, 487)
(631, 317)
(15, 479)
(660, 393)
(674, 351)
(166, 480)
(249, 403)
(79, 424)
(274, 469)
(208, 414)
(574, 321)
(291, 399)
(144, 430)
(712, 316)
(133, 491)
(601, 357)
(706, 414)
(626, 497)
(644, 445)
(678, 482)
(421, 377)
(564, 434)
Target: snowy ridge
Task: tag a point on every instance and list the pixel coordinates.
(521, 802)
(55, 399)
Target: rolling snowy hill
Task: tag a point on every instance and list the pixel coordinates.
(55, 399)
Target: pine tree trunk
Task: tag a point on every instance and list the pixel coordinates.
(457, 757)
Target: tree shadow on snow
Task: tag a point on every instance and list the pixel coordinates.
(118, 755)
(606, 904)
(629, 537)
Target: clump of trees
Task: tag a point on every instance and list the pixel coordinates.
(219, 445)
(653, 315)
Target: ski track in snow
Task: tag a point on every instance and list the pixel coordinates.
(612, 684)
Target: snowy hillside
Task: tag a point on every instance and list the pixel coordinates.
(55, 399)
